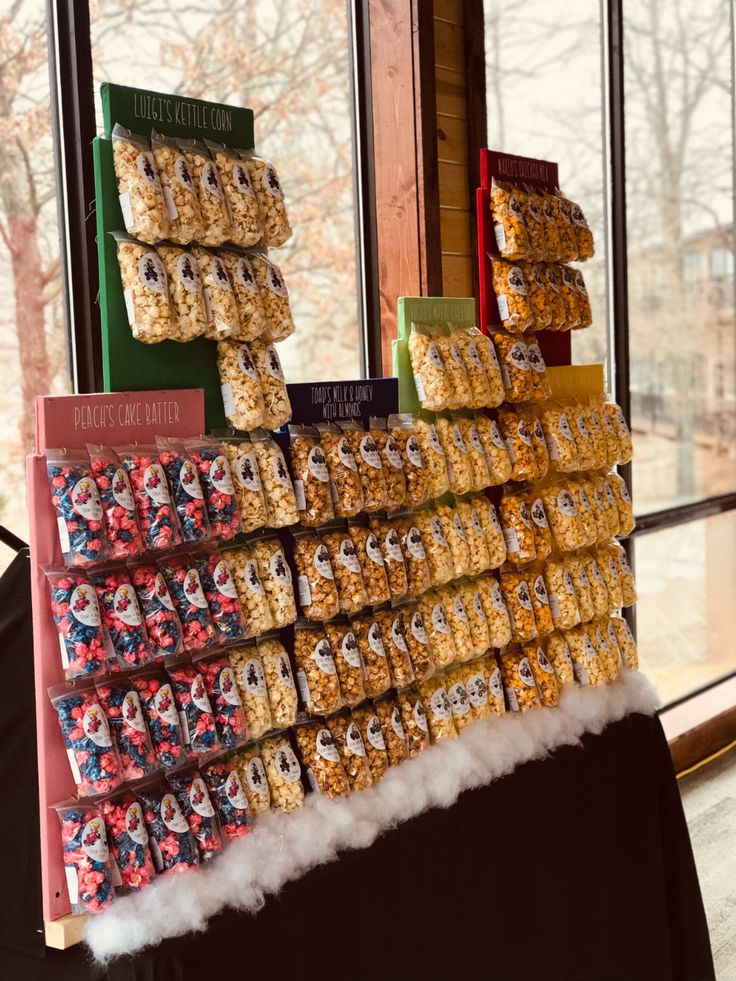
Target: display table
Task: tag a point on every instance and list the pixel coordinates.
(576, 867)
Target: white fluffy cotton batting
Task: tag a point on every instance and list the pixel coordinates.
(283, 847)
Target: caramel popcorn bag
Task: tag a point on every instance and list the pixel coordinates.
(345, 485)
(508, 221)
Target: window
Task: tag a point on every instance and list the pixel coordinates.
(34, 339)
(680, 214)
(289, 63)
(545, 98)
(721, 263)
(692, 267)
(679, 209)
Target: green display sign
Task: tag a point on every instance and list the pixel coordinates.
(127, 364)
(459, 311)
(175, 115)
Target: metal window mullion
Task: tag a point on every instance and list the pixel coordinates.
(366, 253)
(73, 128)
(678, 515)
(619, 288)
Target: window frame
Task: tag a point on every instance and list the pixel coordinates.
(73, 129)
(706, 506)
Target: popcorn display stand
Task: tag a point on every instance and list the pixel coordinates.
(72, 421)
(381, 855)
(125, 362)
(543, 174)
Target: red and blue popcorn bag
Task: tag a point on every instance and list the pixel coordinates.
(185, 587)
(194, 799)
(186, 490)
(125, 716)
(124, 539)
(195, 710)
(92, 756)
(159, 707)
(86, 856)
(79, 514)
(229, 797)
(217, 483)
(122, 616)
(156, 513)
(165, 635)
(222, 690)
(222, 597)
(173, 848)
(83, 641)
(128, 840)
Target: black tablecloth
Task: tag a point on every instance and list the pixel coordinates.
(577, 868)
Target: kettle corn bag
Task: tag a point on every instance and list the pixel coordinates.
(145, 291)
(179, 191)
(245, 215)
(139, 187)
(274, 297)
(212, 203)
(271, 203)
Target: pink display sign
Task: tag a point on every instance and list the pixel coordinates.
(72, 421)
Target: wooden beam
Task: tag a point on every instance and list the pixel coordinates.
(451, 10)
(452, 140)
(457, 275)
(451, 98)
(454, 188)
(477, 131)
(455, 230)
(449, 43)
(425, 99)
(406, 180)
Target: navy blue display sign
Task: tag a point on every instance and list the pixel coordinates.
(328, 401)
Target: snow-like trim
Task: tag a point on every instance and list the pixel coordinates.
(283, 847)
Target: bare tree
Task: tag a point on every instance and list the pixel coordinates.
(678, 62)
(27, 187)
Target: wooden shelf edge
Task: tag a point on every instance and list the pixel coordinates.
(65, 932)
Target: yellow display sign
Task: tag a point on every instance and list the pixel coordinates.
(576, 380)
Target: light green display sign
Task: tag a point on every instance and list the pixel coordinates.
(459, 311)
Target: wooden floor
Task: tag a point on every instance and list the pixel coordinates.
(709, 798)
